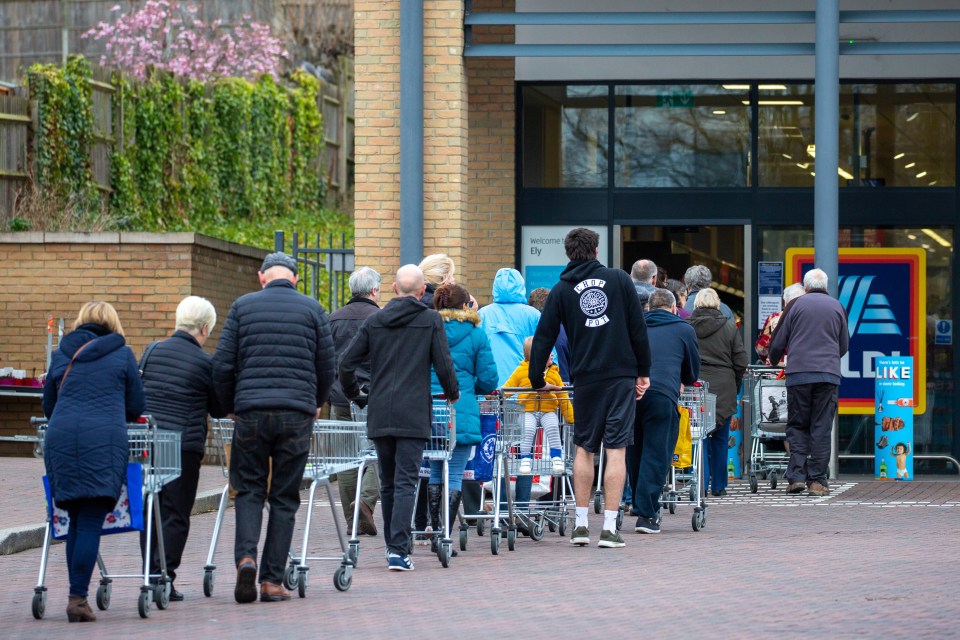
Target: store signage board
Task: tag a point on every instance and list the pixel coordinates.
(542, 256)
(884, 294)
(675, 100)
(893, 419)
(769, 290)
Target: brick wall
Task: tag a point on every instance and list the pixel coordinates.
(143, 275)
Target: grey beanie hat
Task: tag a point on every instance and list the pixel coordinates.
(279, 259)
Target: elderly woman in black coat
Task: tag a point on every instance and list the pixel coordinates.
(91, 391)
(722, 363)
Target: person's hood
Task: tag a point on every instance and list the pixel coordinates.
(459, 323)
(508, 286)
(579, 270)
(100, 345)
(707, 322)
(399, 312)
(660, 317)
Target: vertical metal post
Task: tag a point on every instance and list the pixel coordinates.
(411, 131)
(278, 240)
(65, 29)
(826, 138)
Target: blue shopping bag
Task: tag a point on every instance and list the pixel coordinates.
(480, 466)
(127, 515)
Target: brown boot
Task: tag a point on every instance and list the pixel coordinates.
(78, 610)
(817, 489)
(270, 592)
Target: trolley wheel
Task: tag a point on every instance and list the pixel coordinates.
(536, 531)
(343, 578)
(103, 596)
(773, 479)
(290, 577)
(763, 474)
(444, 553)
(672, 505)
(302, 584)
(597, 503)
(161, 594)
(693, 492)
(143, 604)
(353, 552)
(463, 539)
(208, 583)
(619, 518)
(552, 526)
(697, 520)
(480, 527)
(495, 541)
(753, 483)
(562, 526)
(39, 605)
(511, 539)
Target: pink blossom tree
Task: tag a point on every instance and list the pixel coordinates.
(168, 35)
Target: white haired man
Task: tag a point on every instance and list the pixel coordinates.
(814, 330)
(644, 276)
(699, 277)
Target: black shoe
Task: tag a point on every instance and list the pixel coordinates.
(175, 596)
(246, 589)
(647, 525)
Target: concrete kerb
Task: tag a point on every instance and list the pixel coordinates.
(17, 539)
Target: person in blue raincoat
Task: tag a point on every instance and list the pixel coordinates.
(476, 374)
(91, 391)
(508, 321)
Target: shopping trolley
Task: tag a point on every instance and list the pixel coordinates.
(222, 434)
(489, 408)
(367, 458)
(335, 447)
(157, 452)
(443, 438)
(702, 409)
(765, 406)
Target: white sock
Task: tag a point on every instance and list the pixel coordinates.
(610, 520)
(582, 517)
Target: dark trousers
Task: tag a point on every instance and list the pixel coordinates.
(811, 409)
(257, 437)
(83, 540)
(176, 505)
(471, 497)
(656, 426)
(715, 455)
(399, 460)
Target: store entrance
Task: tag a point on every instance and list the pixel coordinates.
(675, 248)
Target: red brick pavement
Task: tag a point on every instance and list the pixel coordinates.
(824, 570)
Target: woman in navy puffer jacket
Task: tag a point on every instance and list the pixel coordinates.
(91, 391)
(476, 374)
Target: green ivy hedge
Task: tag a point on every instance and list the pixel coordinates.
(232, 159)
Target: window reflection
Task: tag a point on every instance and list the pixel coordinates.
(565, 136)
(682, 136)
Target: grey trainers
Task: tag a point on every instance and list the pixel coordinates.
(610, 540)
(580, 536)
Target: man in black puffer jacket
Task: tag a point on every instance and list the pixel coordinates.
(177, 381)
(273, 368)
(401, 342)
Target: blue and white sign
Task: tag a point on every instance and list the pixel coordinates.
(893, 418)
(542, 256)
(944, 332)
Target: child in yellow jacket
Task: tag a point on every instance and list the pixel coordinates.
(540, 410)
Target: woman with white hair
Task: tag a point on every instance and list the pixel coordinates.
(722, 363)
(178, 383)
(762, 345)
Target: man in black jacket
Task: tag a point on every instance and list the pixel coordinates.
(344, 324)
(401, 342)
(177, 381)
(273, 368)
(599, 309)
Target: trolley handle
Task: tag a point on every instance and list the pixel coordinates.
(513, 390)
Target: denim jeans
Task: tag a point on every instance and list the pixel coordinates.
(648, 458)
(715, 455)
(399, 460)
(458, 461)
(257, 437)
(83, 540)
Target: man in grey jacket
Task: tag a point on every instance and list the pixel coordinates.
(401, 342)
(814, 331)
(644, 276)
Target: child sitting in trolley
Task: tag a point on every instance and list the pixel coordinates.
(540, 410)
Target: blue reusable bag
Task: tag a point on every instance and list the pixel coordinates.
(127, 515)
(480, 466)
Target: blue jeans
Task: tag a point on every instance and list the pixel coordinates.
(648, 458)
(458, 462)
(83, 540)
(399, 460)
(257, 437)
(715, 455)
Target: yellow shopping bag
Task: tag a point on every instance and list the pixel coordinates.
(683, 452)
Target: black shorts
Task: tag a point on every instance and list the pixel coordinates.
(604, 412)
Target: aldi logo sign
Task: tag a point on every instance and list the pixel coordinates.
(884, 293)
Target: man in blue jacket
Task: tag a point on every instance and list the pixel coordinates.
(273, 368)
(603, 319)
(676, 361)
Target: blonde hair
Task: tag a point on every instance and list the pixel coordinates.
(193, 312)
(437, 268)
(101, 313)
(527, 346)
(707, 298)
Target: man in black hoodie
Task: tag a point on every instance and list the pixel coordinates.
(401, 342)
(599, 309)
(676, 361)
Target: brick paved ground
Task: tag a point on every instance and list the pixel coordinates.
(857, 564)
